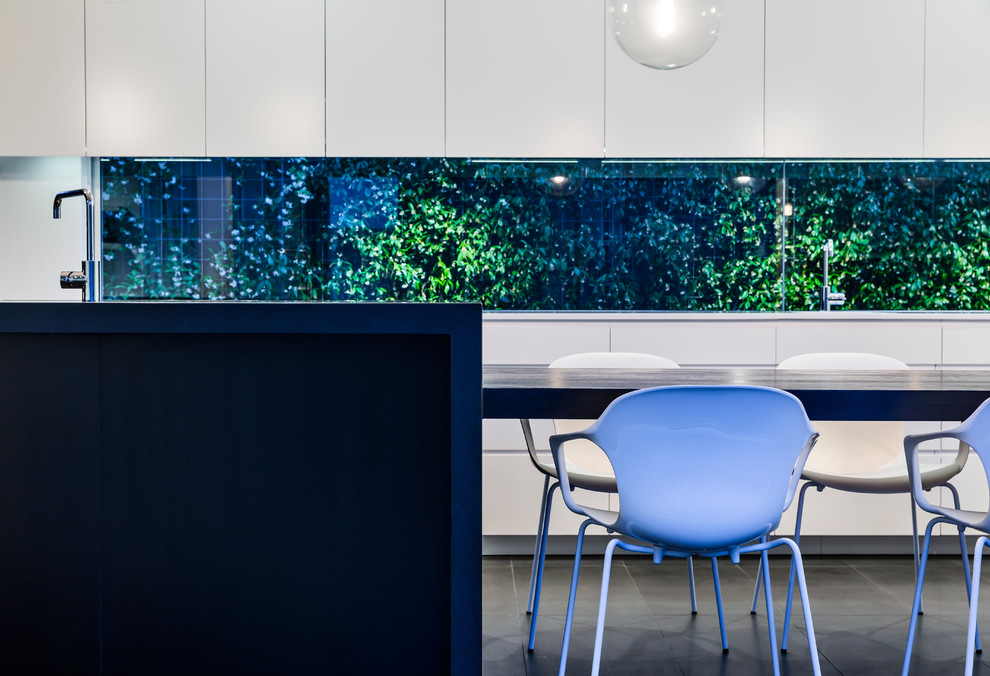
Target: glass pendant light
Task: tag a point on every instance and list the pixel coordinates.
(665, 34)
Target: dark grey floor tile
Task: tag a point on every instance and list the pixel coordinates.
(859, 605)
(501, 651)
(499, 591)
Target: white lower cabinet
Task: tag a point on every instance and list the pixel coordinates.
(833, 512)
(511, 485)
(534, 342)
(510, 498)
(694, 343)
(916, 343)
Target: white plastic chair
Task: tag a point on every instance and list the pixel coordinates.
(973, 433)
(700, 471)
(589, 468)
(860, 456)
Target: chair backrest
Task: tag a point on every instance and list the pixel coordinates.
(852, 447)
(581, 453)
(701, 468)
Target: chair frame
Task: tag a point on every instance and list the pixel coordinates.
(551, 484)
(659, 552)
(973, 434)
(891, 488)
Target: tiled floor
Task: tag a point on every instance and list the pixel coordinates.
(860, 608)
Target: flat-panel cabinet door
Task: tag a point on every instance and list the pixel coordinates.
(264, 78)
(957, 79)
(845, 78)
(710, 108)
(385, 78)
(525, 78)
(42, 77)
(145, 78)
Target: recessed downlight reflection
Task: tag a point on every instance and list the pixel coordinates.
(747, 183)
(560, 185)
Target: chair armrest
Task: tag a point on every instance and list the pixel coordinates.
(560, 462)
(799, 468)
(530, 444)
(962, 455)
(911, 444)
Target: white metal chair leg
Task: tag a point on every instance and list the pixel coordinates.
(759, 582)
(797, 563)
(965, 559)
(718, 602)
(974, 605)
(919, 584)
(757, 588)
(539, 571)
(602, 603)
(768, 597)
(790, 577)
(538, 546)
(571, 597)
(914, 547)
(694, 598)
(797, 539)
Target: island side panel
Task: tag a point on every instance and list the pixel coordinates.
(49, 504)
(271, 501)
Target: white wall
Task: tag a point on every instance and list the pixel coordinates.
(34, 247)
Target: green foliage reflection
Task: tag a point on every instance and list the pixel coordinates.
(568, 235)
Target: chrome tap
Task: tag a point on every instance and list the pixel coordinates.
(829, 297)
(87, 279)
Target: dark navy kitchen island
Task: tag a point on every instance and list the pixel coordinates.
(240, 488)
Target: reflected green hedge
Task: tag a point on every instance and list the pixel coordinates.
(568, 235)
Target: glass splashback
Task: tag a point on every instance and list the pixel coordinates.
(550, 235)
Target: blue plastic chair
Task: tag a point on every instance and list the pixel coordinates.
(588, 469)
(700, 471)
(974, 432)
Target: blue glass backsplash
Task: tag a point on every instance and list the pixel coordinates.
(550, 235)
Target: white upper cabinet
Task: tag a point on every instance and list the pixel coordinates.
(385, 78)
(845, 78)
(145, 77)
(264, 78)
(957, 79)
(710, 108)
(525, 78)
(42, 77)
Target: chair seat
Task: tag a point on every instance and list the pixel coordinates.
(581, 477)
(966, 517)
(891, 478)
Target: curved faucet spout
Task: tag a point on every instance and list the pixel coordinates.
(90, 267)
(829, 297)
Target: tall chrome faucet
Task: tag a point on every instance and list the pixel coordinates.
(829, 298)
(87, 279)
